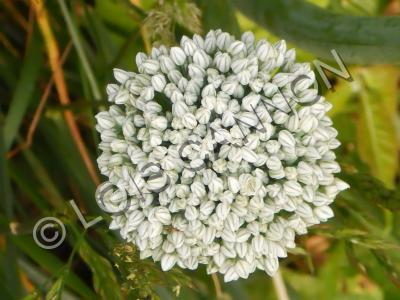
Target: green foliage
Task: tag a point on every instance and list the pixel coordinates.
(24, 90)
(359, 39)
(164, 20)
(104, 279)
(220, 14)
(377, 127)
(141, 278)
(55, 291)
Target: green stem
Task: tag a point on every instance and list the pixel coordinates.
(73, 31)
(280, 287)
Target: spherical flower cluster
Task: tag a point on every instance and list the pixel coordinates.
(217, 152)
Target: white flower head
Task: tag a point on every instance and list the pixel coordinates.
(207, 144)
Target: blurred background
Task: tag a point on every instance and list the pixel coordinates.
(57, 56)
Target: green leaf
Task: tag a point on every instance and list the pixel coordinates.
(341, 95)
(358, 7)
(372, 191)
(219, 14)
(52, 264)
(392, 271)
(32, 296)
(336, 280)
(9, 277)
(369, 263)
(55, 198)
(377, 121)
(358, 39)
(60, 145)
(77, 41)
(23, 92)
(117, 15)
(104, 280)
(56, 289)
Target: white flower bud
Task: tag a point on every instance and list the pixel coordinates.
(188, 46)
(263, 50)
(242, 268)
(196, 71)
(271, 265)
(168, 261)
(228, 236)
(323, 213)
(236, 48)
(248, 38)
(209, 235)
(189, 120)
(151, 66)
(178, 56)
(341, 185)
(105, 120)
(162, 215)
(203, 115)
(158, 82)
(210, 43)
(232, 222)
(223, 41)
(222, 211)
(207, 208)
(239, 65)
(134, 220)
(274, 163)
(286, 139)
(159, 123)
(258, 244)
(223, 62)
(308, 123)
(198, 41)
(191, 213)
(292, 188)
(242, 235)
(166, 64)
(250, 102)
(231, 275)
(304, 210)
(201, 58)
(249, 155)
(120, 75)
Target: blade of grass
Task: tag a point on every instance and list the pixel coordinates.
(24, 89)
(52, 264)
(39, 110)
(55, 199)
(59, 144)
(28, 186)
(53, 54)
(7, 255)
(40, 280)
(73, 31)
(8, 65)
